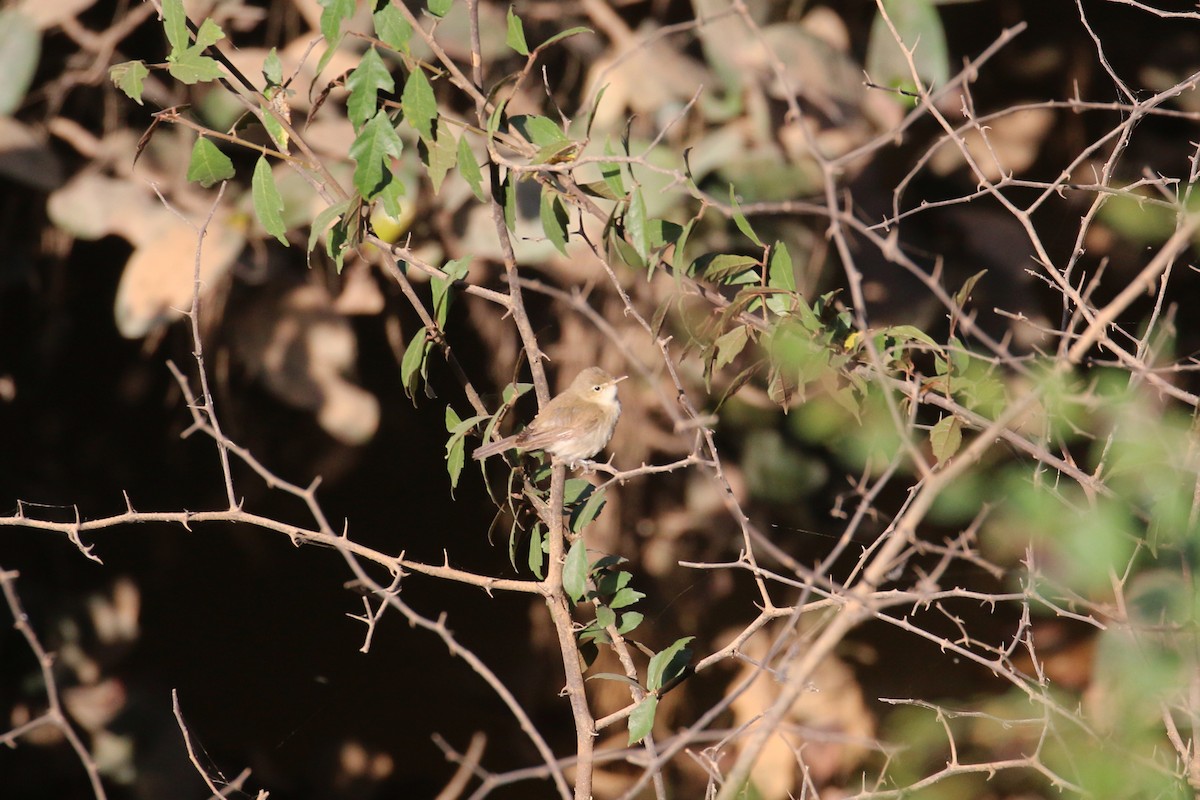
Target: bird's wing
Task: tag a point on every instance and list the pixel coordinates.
(542, 436)
(492, 448)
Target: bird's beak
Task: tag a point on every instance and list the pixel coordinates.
(618, 380)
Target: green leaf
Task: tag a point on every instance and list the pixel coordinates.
(912, 333)
(592, 112)
(516, 33)
(324, 219)
(563, 35)
(20, 50)
(419, 104)
(374, 144)
(945, 438)
(412, 363)
(439, 8)
(629, 621)
(781, 276)
(268, 205)
(389, 198)
(724, 267)
(557, 152)
(278, 135)
(509, 191)
(190, 67)
(536, 552)
(334, 13)
(539, 130)
(609, 582)
(641, 721)
(208, 165)
(273, 69)
(729, 345)
(625, 597)
(605, 616)
(440, 287)
(209, 34)
(576, 489)
(964, 294)
(740, 219)
(175, 24)
(365, 82)
(469, 169)
(391, 27)
(554, 219)
(635, 225)
(679, 257)
(442, 154)
(496, 117)
(589, 511)
(455, 448)
(668, 664)
(575, 571)
(126, 76)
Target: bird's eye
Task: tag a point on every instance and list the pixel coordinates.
(597, 388)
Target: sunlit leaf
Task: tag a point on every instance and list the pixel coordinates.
(413, 361)
(945, 438)
(376, 142)
(455, 448)
(605, 616)
(333, 15)
(668, 664)
(419, 104)
(740, 220)
(190, 67)
(209, 34)
(729, 345)
(469, 169)
(126, 76)
(273, 68)
(208, 164)
(365, 82)
(516, 33)
(588, 512)
(539, 130)
(575, 571)
(641, 721)
(780, 275)
(324, 219)
(563, 35)
(175, 25)
(554, 219)
(629, 622)
(625, 597)
(268, 205)
(391, 27)
(635, 225)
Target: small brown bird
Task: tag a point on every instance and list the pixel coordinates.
(574, 426)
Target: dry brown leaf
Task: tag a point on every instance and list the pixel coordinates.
(1015, 141)
(829, 726)
(157, 284)
(49, 13)
(92, 206)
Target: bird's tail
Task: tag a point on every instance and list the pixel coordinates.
(492, 448)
